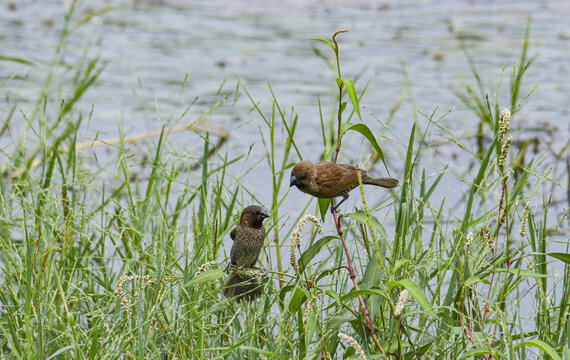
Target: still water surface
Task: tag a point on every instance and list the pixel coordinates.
(149, 47)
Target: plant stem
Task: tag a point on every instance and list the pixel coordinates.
(352, 273)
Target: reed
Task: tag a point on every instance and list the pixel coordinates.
(119, 260)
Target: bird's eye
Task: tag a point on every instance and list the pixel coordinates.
(302, 177)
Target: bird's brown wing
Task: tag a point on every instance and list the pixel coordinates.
(233, 233)
(351, 169)
(336, 178)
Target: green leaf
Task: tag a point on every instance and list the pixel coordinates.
(340, 83)
(399, 264)
(480, 352)
(417, 293)
(475, 279)
(206, 276)
(325, 41)
(286, 289)
(259, 351)
(324, 207)
(354, 294)
(61, 351)
(311, 252)
(372, 274)
(560, 256)
(360, 216)
(342, 107)
(16, 59)
(522, 272)
(335, 296)
(543, 346)
(371, 278)
(297, 299)
(365, 131)
(353, 97)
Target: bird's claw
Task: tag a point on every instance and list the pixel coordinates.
(231, 266)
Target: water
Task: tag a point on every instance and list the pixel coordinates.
(150, 46)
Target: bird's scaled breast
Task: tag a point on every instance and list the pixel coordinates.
(247, 246)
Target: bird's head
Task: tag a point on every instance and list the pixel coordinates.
(302, 174)
(253, 215)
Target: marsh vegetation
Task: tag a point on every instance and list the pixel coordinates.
(116, 248)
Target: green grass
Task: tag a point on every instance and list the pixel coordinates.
(113, 261)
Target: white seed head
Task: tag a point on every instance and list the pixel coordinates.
(354, 344)
(504, 123)
(401, 302)
(505, 151)
(525, 219)
(296, 238)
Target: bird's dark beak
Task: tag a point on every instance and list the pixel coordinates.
(293, 181)
(264, 214)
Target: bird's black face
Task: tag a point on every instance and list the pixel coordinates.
(299, 176)
(260, 215)
(298, 181)
(254, 215)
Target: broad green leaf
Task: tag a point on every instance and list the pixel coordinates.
(311, 252)
(335, 296)
(472, 280)
(297, 299)
(372, 274)
(480, 352)
(361, 292)
(337, 321)
(206, 276)
(324, 207)
(325, 41)
(371, 278)
(543, 346)
(353, 97)
(475, 279)
(365, 131)
(522, 272)
(284, 291)
(560, 256)
(417, 293)
(360, 216)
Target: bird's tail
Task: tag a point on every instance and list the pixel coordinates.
(242, 287)
(384, 182)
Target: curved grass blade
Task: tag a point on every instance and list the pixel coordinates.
(417, 293)
(365, 131)
(353, 96)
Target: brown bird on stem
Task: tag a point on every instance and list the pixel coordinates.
(330, 180)
(248, 239)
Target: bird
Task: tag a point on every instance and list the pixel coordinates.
(248, 237)
(330, 180)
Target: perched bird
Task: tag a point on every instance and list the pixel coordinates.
(248, 239)
(330, 180)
